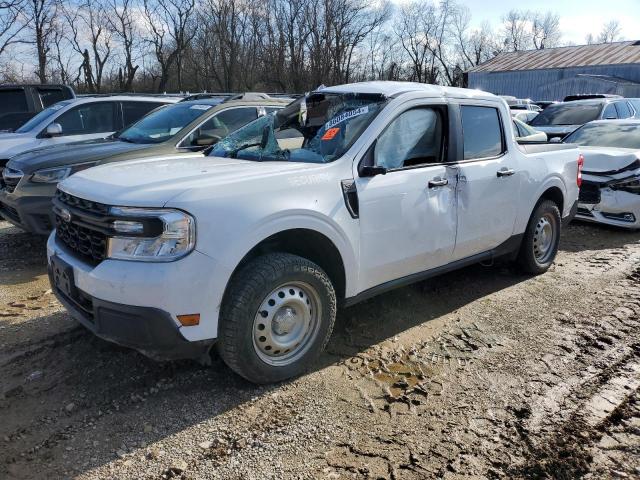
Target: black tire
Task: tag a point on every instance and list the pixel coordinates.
(249, 288)
(529, 258)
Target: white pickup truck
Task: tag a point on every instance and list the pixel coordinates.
(342, 195)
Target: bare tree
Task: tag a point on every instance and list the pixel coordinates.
(415, 28)
(545, 30)
(122, 24)
(171, 29)
(517, 35)
(610, 32)
(10, 25)
(91, 38)
(40, 22)
(474, 45)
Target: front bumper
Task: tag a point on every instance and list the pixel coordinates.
(31, 213)
(135, 304)
(616, 208)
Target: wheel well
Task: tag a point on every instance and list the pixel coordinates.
(555, 195)
(308, 244)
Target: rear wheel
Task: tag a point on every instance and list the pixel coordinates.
(277, 315)
(541, 239)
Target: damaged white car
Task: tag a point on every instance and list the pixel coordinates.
(610, 191)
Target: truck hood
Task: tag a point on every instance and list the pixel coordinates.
(13, 143)
(607, 160)
(72, 154)
(153, 182)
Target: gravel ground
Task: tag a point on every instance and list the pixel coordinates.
(482, 373)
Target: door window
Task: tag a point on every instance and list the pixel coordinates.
(134, 111)
(413, 138)
(234, 118)
(482, 132)
(610, 112)
(88, 118)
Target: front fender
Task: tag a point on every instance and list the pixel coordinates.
(231, 253)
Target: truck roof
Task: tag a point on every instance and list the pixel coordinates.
(394, 89)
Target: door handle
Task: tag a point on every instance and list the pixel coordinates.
(505, 172)
(438, 182)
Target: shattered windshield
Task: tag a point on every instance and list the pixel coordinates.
(318, 128)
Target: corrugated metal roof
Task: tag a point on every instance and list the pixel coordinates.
(562, 57)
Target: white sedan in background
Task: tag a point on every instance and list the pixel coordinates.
(525, 133)
(610, 191)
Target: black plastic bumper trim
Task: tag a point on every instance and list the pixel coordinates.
(149, 330)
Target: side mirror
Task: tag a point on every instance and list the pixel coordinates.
(556, 140)
(207, 141)
(54, 130)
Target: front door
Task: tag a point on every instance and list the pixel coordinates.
(408, 215)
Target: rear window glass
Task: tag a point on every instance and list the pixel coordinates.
(13, 101)
(481, 131)
(51, 96)
(567, 114)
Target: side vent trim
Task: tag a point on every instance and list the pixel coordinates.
(350, 194)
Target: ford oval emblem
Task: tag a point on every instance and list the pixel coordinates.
(65, 214)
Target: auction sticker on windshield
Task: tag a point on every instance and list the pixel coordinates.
(200, 107)
(345, 116)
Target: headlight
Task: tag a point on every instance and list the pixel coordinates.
(151, 235)
(57, 174)
(51, 175)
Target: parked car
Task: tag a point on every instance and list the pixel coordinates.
(525, 133)
(524, 115)
(18, 103)
(561, 119)
(610, 191)
(78, 119)
(184, 129)
(346, 193)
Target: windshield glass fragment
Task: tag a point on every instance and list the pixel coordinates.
(318, 128)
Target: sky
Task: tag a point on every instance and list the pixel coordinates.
(577, 17)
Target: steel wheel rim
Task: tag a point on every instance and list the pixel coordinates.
(544, 238)
(286, 323)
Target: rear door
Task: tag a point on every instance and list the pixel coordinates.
(408, 215)
(488, 181)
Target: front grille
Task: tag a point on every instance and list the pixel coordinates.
(589, 193)
(10, 179)
(85, 232)
(88, 206)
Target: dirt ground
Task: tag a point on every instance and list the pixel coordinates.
(482, 373)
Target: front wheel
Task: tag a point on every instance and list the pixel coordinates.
(277, 315)
(541, 239)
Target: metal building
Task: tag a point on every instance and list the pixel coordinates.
(553, 73)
